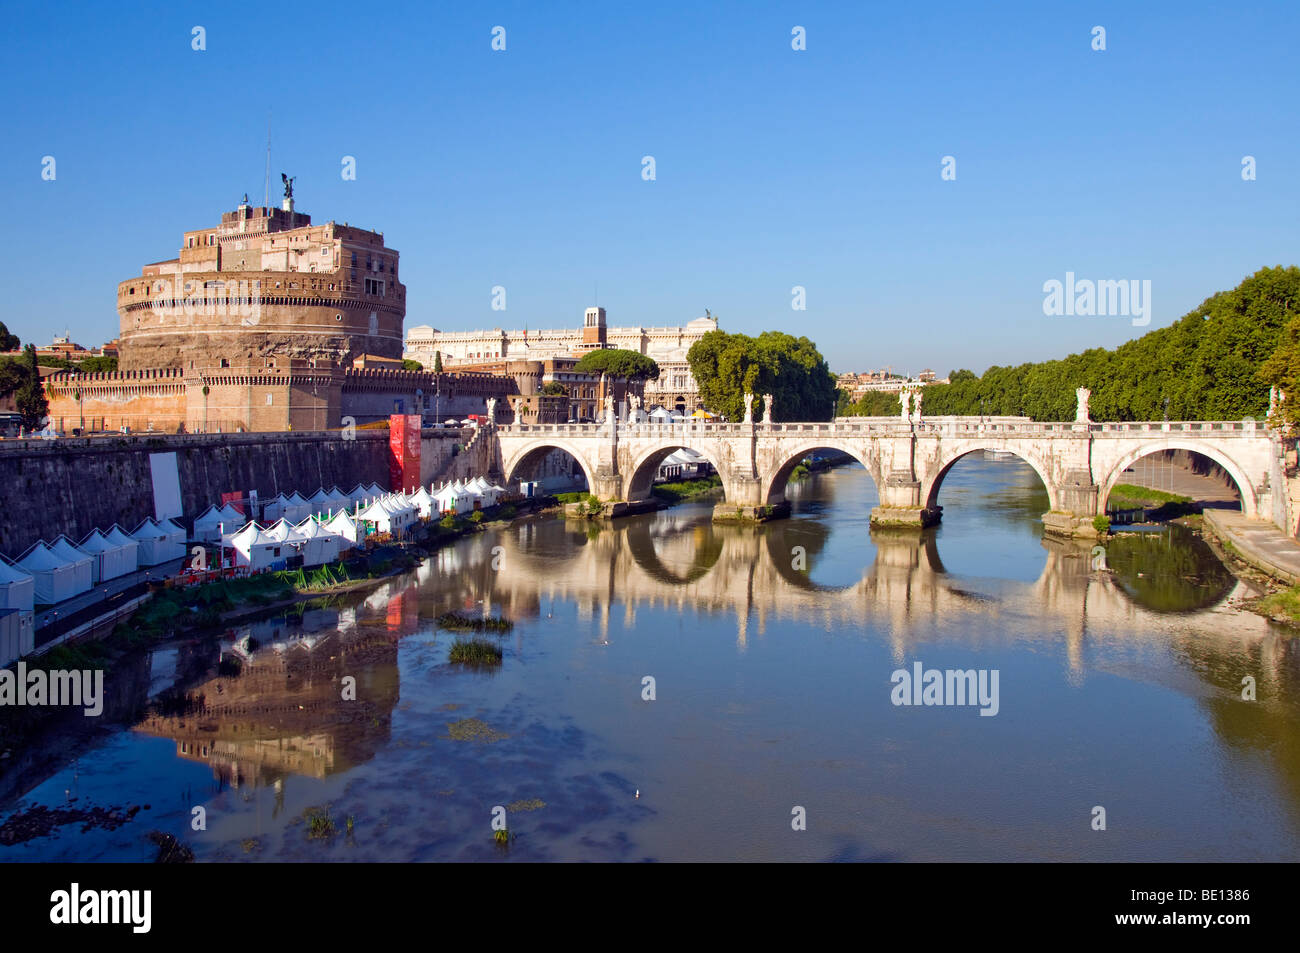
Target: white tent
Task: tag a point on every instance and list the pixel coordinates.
(210, 524)
(17, 634)
(358, 495)
(661, 414)
(17, 588)
(253, 548)
(452, 498)
(489, 493)
(423, 502)
(338, 500)
(54, 578)
(390, 514)
(375, 491)
(296, 508)
(344, 526)
(159, 542)
(82, 563)
(130, 548)
(110, 559)
(321, 546)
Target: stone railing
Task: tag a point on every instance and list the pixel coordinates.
(938, 426)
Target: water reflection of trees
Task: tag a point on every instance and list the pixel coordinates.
(1170, 571)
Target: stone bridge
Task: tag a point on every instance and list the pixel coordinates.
(1078, 462)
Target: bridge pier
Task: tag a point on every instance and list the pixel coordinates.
(901, 505)
(1077, 501)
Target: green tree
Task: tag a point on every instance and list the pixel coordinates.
(554, 389)
(8, 342)
(437, 362)
(619, 364)
(97, 365)
(409, 365)
(727, 366)
(30, 397)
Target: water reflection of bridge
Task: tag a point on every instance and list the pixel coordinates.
(681, 561)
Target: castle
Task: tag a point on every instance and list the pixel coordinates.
(263, 322)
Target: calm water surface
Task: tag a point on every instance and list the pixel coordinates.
(772, 650)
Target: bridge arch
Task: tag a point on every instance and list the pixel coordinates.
(645, 466)
(932, 483)
(1249, 502)
(516, 465)
(772, 487)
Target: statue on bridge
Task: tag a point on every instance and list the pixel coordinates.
(491, 410)
(609, 409)
(749, 408)
(916, 405)
(633, 408)
(767, 409)
(1081, 395)
(905, 402)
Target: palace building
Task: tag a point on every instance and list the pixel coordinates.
(675, 389)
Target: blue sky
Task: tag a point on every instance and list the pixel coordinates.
(774, 168)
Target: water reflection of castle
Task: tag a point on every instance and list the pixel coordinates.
(284, 713)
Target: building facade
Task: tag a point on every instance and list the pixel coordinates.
(668, 346)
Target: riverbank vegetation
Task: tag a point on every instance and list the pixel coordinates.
(680, 490)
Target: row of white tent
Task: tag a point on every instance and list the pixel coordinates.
(460, 496)
(49, 573)
(211, 524)
(318, 542)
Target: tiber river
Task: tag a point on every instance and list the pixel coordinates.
(1118, 689)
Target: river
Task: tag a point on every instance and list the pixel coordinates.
(772, 652)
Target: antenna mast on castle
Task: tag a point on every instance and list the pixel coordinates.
(266, 189)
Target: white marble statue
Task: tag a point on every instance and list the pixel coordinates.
(767, 409)
(1081, 395)
(905, 402)
(916, 405)
(749, 408)
(492, 410)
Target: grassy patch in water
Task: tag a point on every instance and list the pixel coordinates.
(459, 622)
(319, 823)
(474, 652)
(472, 729)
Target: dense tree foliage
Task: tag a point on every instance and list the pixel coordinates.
(8, 342)
(1215, 363)
(791, 369)
(618, 363)
(410, 365)
(554, 389)
(97, 365)
(30, 395)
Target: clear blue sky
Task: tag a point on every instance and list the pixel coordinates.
(775, 168)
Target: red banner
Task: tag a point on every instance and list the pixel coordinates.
(235, 499)
(404, 452)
